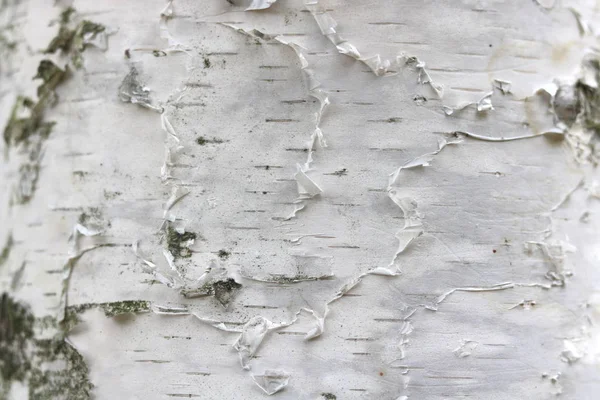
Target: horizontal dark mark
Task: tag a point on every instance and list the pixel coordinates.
(415, 385)
(50, 294)
(273, 66)
(187, 395)
(341, 246)
(327, 9)
(388, 319)
(525, 71)
(261, 307)
(198, 373)
(150, 281)
(483, 11)
(267, 166)
(376, 190)
(358, 390)
(391, 120)
(361, 103)
(114, 245)
(254, 211)
(454, 70)
(259, 192)
(243, 227)
(67, 209)
(473, 54)
(361, 354)
(293, 101)
(292, 149)
(526, 56)
(184, 166)
(359, 339)
(407, 367)
(280, 120)
(222, 53)
(198, 85)
(347, 204)
(292, 333)
(409, 42)
(492, 172)
(189, 104)
(341, 172)
(54, 271)
(153, 361)
(178, 337)
(449, 377)
(83, 100)
(272, 80)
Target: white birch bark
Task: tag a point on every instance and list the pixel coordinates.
(305, 199)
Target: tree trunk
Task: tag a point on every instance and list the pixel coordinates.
(230, 199)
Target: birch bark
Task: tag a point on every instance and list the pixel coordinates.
(305, 199)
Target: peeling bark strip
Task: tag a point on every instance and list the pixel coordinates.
(443, 156)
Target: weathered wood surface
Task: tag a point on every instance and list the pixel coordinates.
(436, 242)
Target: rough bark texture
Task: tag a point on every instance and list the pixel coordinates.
(305, 199)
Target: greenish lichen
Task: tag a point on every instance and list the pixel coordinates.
(26, 126)
(16, 331)
(125, 307)
(65, 16)
(48, 366)
(92, 215)
(27, 116)
(223, 254)
(224, 290)
(6, 250)
(283, 279)
(111, 309)
(73, 40)
(70, 383)
(177, 243)
(24, 122)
